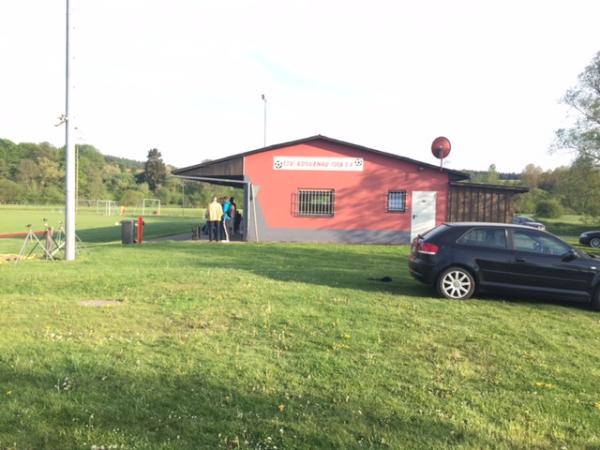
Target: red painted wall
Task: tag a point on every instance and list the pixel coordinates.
(360, 197)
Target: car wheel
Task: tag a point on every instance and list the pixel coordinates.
(595, 242)
(596, 300)
(456, 283)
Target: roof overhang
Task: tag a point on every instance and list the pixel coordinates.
(490, 187)
(220, 181)
(224, 172)
(232, 167)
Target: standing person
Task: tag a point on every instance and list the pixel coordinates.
(237, 220)
(233, 215)
(226, 218)
(215, 213)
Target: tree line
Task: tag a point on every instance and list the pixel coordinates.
(34, 174)
(573, 189)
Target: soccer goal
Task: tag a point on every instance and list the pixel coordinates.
(151, 205)
(107, 207)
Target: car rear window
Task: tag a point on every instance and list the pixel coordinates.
(484, 237)
(435, 231)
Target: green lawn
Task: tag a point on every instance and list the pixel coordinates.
(264, 346)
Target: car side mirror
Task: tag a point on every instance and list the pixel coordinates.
(570, 255)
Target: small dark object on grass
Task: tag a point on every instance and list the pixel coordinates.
(385, 279)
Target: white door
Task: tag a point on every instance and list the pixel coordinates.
(423, 212)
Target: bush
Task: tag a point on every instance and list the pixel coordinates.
(549, 208)
(52, 195)
(10, 192)
(132, 198)
(526, 203)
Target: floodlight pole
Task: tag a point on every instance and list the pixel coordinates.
(69, 161)
(264, 99)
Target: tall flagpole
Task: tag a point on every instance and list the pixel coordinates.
(69, 162)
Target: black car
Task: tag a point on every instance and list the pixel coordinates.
(591, 238)
(463, 258)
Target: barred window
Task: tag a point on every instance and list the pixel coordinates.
(396, 201)
(315, 202)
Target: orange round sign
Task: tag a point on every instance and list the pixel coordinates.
(440, 147)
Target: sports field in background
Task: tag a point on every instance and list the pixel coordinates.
(92, 226)
(281, 346)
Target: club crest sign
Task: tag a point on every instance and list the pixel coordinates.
(331, 164)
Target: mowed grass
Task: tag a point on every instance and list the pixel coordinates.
(287, 346)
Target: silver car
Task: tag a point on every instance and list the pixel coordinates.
(528, 222)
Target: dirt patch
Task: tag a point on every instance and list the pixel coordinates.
(98, 303)
(8, 258)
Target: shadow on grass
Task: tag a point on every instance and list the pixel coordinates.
(534, 300)
(97, 405)
(339, 266)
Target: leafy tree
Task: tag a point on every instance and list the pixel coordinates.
(580, 187)
(4, 171)
(170, 192)
(531, 175)
(550, 180)
(490, 176)
(49, 172)
(584, 136)
(10, 192)
(27, 172)
(90, 166)
(131, 198)
(52, 194)
(95, 188)
(155, 170)
(9, 152)
(118, 179)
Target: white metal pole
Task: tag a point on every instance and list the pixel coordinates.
(264, 120)
(69, 162)
(254, 210)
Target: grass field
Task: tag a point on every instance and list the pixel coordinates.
(288, 346)
(93, 228)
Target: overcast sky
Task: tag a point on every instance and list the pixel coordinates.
(186, 76)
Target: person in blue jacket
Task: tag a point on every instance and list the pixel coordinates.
(226, 218)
